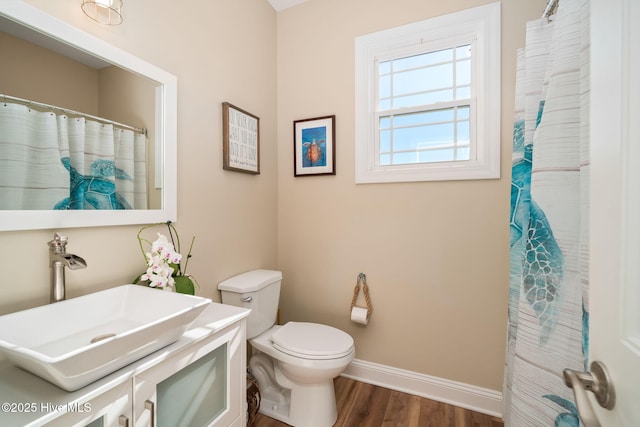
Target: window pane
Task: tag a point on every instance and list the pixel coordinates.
(463, 132)
(385, 122)
(464, 153)
(423, 117)
(436, 156)
(385, 159)
(463, 92)
(422, 136)
(463, 72)
(423, 99)
(463, 52)
(423, 60)
(423, 79)
(385, 87)
(385, 141)
(385, 104)
(405, 158)
(463, 113)
(384, 68)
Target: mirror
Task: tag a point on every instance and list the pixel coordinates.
(155, 110)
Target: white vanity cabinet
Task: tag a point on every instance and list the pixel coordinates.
(200, 380)
(195, 388)
(113, 408)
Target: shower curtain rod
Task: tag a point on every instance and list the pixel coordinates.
(550, 9)
(72, 112)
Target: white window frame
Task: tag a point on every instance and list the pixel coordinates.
(479, 27)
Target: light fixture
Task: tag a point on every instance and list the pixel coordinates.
(103, 11)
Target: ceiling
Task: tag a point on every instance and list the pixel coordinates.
(279, 5)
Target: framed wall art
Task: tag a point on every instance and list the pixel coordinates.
(314, 143)
(240, 140)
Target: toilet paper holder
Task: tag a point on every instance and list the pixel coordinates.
(362, 280)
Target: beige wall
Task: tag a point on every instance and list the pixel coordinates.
(220, 51)
(62, 82)
(435, 253)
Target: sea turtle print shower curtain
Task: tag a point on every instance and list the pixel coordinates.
(548, 300)
(52, 161)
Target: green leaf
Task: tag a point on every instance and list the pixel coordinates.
(184, 285)
(176, 268)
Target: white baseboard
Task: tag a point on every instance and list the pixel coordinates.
(459, 394)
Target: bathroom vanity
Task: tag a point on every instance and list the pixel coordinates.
(198, 380)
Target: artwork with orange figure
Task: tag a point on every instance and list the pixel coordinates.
(314, 147)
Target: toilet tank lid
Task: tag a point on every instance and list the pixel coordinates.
(250, 281)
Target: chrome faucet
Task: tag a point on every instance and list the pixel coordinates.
(58, 260)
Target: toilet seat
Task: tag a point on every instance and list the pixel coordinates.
(312, 341)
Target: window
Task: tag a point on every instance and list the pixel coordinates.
(428, 99)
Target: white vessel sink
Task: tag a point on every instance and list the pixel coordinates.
(75, 342)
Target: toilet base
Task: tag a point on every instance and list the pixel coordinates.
(299, 405)
(312, 407)
(275, 410)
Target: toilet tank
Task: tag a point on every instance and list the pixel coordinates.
(258, 290)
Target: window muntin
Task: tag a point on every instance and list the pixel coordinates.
(441, 135)
(412, 125)
(467, 45)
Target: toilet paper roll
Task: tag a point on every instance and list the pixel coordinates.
(359, 315)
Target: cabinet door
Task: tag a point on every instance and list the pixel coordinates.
(199, 386)
(110, 409)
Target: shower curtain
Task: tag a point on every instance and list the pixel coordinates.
(548, 300)
(50, 161)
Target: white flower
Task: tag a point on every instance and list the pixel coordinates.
(159, 274)
(174, 257)
(161, 243)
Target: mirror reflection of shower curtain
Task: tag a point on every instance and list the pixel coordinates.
(31, 174)
(548, 299)
(50, 161)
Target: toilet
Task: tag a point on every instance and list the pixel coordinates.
(295, 363)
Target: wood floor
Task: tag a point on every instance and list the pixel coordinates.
(366, 405)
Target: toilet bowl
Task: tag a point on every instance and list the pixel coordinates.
(294, 364)
(299, 386)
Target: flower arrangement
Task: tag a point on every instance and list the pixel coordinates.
(164, 268)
